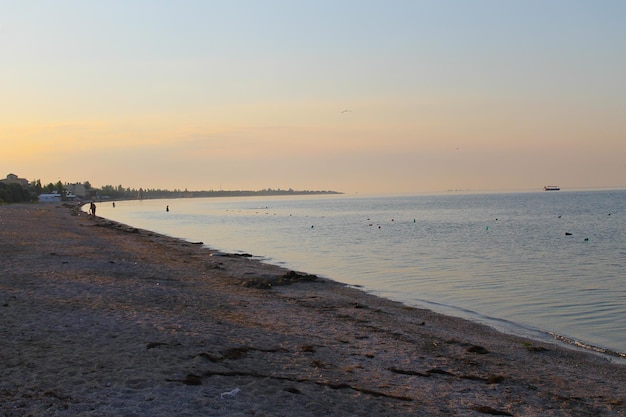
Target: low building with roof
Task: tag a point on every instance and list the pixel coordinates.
(14, 179)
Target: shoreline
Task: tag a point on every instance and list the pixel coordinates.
(100, 318)
(547, 335)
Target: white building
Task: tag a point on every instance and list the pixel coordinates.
(50, 198)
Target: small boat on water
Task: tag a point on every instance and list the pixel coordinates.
(551, 188)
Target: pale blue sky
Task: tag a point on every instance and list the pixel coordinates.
(480, 95)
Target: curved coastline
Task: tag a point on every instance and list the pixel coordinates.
(101, 318)
(502, 325)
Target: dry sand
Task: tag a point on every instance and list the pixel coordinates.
(101, 319)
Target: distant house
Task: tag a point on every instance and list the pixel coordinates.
(75, 190)
(14, 179)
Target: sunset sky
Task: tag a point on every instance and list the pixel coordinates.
(356, 96)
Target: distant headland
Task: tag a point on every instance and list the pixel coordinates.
(14, 189)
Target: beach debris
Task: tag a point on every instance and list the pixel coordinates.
(152, 345)
(231, 255)
(438, 371)
(485, 409)
(294, 276)
(477, 349)
(192, 379)
(230, 393)
(535, 349)
(491, 379)
(495, 379)
(409, 372)
(568, 234)
(267, 282)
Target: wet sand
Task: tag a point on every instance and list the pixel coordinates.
(102, 319)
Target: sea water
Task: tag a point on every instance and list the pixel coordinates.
(546, 264)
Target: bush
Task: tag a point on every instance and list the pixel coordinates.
(14, 193)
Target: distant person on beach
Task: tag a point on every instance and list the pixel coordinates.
(114, 204)
(92, 208)
(167, 208)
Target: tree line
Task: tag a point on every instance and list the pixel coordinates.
(15, 192)
(121, 193)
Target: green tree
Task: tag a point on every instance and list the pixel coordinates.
(48, 188)
(36, 187)
(4, 193)
(14, 193)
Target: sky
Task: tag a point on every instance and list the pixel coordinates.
(357, 96)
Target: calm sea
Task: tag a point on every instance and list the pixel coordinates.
(547, 264)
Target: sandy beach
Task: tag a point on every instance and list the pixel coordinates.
(102, 319)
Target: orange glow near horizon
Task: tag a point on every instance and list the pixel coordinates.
(431, 101)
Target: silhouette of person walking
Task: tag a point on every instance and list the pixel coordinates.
(92, 208)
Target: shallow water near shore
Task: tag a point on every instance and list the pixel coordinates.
(546, 264)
